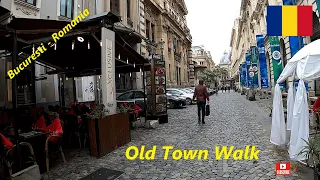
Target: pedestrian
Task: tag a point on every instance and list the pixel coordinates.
(200, 92)
(228, 88)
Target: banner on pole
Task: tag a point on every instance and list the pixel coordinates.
(240, 75)
(318, 5)
(244, 74)
(262, 62)
(254, 61)
(276, 59)
(248, 63)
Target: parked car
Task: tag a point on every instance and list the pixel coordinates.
(175, 101)
(134, 96)
(189, 89)
(184, 94)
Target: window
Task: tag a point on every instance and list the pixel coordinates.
(153, 32)
(139, 94)
(114, 7)
(148, 29)
(128, 9)
(126, 96)
(33, 2)
(66, 8)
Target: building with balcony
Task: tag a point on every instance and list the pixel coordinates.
(165, 21)
(252, 21)
(202, 60)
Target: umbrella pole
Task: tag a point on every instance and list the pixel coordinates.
(14, 96)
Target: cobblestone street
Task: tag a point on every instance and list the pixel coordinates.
(234, 121)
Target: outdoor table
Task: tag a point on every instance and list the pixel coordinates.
(37, 141)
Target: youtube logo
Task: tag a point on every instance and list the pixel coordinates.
(283, 168)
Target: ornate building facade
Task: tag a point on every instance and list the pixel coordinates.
(252, 21)
(165, 21)
(201, 59)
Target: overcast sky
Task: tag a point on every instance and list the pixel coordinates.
(210, 23)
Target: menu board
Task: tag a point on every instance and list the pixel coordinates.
(160, 86)
(156, 87)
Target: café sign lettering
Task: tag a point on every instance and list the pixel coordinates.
(155, 56)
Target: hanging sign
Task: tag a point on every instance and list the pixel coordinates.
(108, 70)
(262, 62)
(254, 60)
(88, 89)
(244, 74)
(276, 59)
(240, 75)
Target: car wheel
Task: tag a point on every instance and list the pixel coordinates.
(189, 101)
(171, 105)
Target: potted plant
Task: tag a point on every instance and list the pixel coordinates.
(99, 112)
(312, 152)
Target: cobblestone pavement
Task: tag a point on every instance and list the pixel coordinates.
(234, 121)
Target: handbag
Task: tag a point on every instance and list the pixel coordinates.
(207, 109)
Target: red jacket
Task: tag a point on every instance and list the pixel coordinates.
(316, 105)
(200, 92)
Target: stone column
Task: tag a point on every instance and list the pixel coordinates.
(100, 6)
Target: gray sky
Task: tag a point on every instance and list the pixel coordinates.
(210, 23)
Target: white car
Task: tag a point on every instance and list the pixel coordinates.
(185, 94)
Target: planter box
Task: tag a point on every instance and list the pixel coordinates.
(108, 134)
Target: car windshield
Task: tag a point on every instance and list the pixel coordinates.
(185, 90)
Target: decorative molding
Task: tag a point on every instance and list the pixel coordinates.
(26, 8)
(63, 18)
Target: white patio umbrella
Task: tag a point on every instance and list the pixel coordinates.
(305, 65)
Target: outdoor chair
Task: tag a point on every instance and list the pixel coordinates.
(84, 129)
(9, 156)
(71, 127)
(54, 146)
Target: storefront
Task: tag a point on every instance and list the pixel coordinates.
(91, 49)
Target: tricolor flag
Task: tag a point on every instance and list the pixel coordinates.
(289, 21)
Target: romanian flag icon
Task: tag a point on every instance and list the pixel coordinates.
(289, 21)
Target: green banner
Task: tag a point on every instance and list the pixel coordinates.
(318, 5)
(276, 58)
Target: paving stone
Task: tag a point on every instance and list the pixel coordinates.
(233, 121)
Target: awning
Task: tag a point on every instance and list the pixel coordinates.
(82, 58)
(129, 34)
(4, 14)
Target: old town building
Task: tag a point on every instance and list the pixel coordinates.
(164, 22)
(202, 60)
(252, 21)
